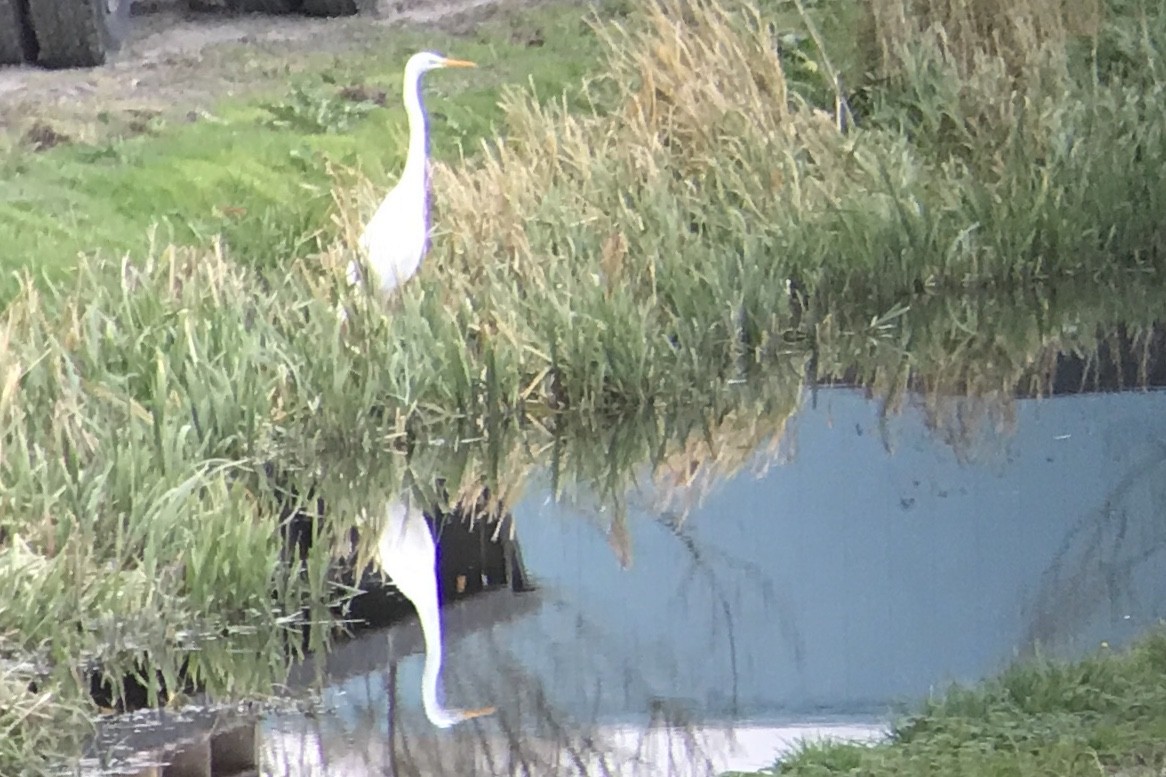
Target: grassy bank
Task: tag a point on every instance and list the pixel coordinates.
(252, 168)
(607, 292)
(1105, 714)
(137, 521)
(976, 152)
(711, 180)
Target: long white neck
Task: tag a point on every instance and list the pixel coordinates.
(418, 156)
(431, 628)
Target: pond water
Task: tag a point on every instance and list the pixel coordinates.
(852, 563)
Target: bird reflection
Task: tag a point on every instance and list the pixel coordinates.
(407, 555)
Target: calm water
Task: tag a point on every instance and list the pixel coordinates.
(857, 566)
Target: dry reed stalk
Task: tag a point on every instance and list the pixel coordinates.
(1028, 37)
(684, 477)
(702, 100)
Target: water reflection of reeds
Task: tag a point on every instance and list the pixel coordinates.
(1094, 572)
(530, 735)
(964, 363)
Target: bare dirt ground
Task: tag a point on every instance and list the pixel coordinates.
(181, 60)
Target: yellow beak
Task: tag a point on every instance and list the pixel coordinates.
(457, 63)
(484, 710)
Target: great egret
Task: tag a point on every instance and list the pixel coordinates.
(395, 239)
(407, 555)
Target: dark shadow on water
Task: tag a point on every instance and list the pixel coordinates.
(476, 553)
(1122, 361)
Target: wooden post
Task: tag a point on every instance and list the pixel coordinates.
(235, 750)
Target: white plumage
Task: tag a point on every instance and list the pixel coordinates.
(395, 240)
(407, 554)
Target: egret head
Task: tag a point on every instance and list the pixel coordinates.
(424, 61)
(443, 718)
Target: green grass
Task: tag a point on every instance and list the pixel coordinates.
(136, 422)
(253, 169)
(714, 163)
(1105, 714)
(953, 178)
(607, 292)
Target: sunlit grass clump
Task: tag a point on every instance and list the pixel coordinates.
(993, 145)
(1105, 714)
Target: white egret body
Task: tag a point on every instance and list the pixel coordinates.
(407, 555)
(395, 239)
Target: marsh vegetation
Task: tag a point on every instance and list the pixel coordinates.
(928, 199)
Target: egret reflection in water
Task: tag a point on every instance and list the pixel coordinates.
(407, 555)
